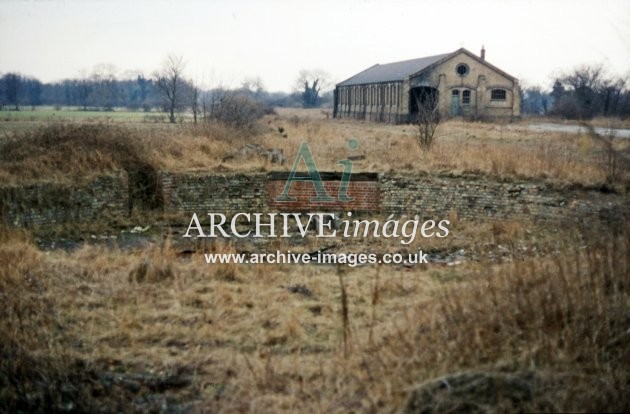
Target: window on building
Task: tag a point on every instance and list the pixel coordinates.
(466, 97)
(462, 69)
(455, 92)
(498, 95)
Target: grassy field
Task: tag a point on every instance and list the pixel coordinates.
(460, 147)
(70, 114)
(534, 317)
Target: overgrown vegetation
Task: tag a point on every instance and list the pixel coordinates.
(528, 319)
(428, 118)
(101, 329)
(73, 150)
(76, 151)
(239, 112)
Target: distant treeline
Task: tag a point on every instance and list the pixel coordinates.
(106, 92)
(582, 93)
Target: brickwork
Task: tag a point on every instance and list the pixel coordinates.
(199, 192)
(392, 100)
(32, 205)
(426, 195)
(475, 197)
(363, 189)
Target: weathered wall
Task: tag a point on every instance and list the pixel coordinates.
(480, 80)
(389, 101)
(204, 192)
(475, 197)
(427, 195)
(32, 205)
(362, 189)
(381, 102)
(430, 196)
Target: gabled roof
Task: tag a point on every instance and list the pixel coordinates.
(398, 71)
(390, 72)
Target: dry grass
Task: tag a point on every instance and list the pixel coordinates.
(75, 151)
(460, 147)
(62, 151)
(140, 329)
(535, 319)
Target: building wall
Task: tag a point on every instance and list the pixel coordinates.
(479, 81)
(389, 101)
(381, 102)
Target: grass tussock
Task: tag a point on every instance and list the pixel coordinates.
(99, 328)
(74, 151)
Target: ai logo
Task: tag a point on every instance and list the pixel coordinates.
(314, 177)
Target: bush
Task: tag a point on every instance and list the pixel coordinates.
(240, 112)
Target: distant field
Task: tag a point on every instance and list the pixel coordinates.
(28, 118)
(49, 113)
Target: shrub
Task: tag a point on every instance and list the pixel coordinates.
(240, 112)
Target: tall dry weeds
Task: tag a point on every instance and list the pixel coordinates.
(545, 332)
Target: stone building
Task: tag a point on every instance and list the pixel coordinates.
(456, 84)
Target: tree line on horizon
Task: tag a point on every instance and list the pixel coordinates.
(582, 93)
(167, 90)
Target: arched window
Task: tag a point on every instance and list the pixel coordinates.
(498, 95)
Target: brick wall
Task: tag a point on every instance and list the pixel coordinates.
(363, 189)
(32, 205)
(203, 192)
(475, 197)
(427, 195)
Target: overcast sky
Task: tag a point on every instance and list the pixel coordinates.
(227, 41)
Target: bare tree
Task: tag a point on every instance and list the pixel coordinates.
(310, 83)
(170, 82)
(253, 87)
(428, 117)
(195, 95)
(212, 99)
(105, 91)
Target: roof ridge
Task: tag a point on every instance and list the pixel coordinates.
(357, 74)
(419, 58)
(392, 71)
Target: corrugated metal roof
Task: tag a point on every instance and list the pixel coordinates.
(395, 71)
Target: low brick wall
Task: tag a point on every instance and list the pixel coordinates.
(426, 195)
(362, 189)
(201, 192)
(41, 203)
(476, 197)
